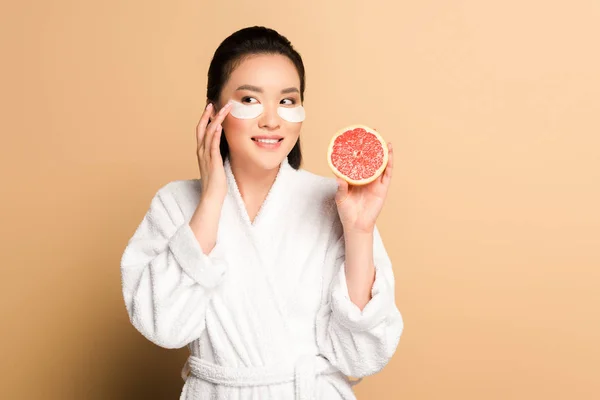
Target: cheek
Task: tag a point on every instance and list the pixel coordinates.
(235, 130)
(294, 129)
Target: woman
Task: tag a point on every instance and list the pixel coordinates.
(275, 278)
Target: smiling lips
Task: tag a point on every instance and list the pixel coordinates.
(268, 142)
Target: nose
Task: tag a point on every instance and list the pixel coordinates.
(269, 119)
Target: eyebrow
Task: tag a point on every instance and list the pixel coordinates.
(260, 90)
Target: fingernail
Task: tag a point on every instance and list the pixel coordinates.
(208, 105)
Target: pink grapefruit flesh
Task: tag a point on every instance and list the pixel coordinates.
(357, 154)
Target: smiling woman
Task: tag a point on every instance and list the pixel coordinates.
(275, 278)
(274, 86)
(257, 66)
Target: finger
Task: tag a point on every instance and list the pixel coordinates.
(214, 125)
(215, 151)
(209, 139)
(342, 193)
(220, 117)
(387, 174)
(201, 127)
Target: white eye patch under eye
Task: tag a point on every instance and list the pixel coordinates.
(246, 111)
(295, 114)
(251, 111)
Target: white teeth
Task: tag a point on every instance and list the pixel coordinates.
(270, 141)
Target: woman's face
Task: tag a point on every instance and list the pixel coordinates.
(271, 81)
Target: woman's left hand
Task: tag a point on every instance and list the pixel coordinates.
(359, 206)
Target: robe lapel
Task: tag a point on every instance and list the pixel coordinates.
(263, 230)
(270, 210)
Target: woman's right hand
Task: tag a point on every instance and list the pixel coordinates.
(210, 162)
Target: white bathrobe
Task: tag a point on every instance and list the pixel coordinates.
(266, 314)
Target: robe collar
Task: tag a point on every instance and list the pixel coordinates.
(274, 203)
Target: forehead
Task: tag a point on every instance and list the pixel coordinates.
(269, 71)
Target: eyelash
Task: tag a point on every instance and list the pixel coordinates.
(245, 98)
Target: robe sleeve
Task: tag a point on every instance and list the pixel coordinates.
(359, 343)
(167, 279)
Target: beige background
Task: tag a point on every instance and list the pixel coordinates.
(493, 221)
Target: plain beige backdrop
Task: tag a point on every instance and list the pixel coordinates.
(493, 220)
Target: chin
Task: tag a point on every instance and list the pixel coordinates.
(268, 162)
(265, 158)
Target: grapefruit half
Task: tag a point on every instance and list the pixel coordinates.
(357, 154)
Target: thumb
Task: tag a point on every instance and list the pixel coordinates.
(342, 191)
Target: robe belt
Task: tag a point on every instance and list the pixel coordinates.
(303, 374)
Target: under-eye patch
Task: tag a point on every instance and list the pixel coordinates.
(295, 114)
(251, 111)
(246, 111)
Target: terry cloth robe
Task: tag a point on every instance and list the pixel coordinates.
(266, 314)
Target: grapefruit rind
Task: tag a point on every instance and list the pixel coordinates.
(377, 173)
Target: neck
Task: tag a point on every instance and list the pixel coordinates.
(253, 183)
